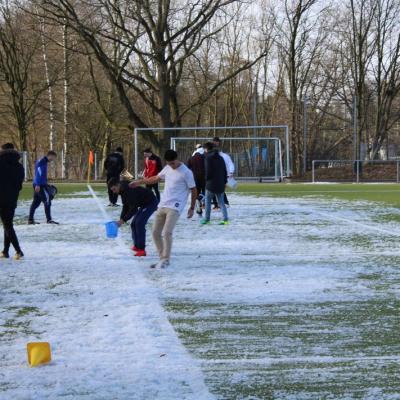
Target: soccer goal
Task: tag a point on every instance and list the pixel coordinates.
(258, 152)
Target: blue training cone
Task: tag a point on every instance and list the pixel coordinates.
(111, 229)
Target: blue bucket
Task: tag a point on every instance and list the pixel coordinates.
(111, 229)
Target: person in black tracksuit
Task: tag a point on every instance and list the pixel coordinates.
(139, 203)
(114, 165)
(11, 179)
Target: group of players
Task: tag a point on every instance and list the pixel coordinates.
(204, 176)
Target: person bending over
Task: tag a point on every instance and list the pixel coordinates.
(139, 203)
(11, 179)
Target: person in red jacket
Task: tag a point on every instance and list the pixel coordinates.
(152, 167)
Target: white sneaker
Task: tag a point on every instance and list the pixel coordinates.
(161, 264)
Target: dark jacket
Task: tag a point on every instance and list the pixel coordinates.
(216, 175)
(198, 166)
(11, 177)
(152, 166)
(133, 199)
(114, 164)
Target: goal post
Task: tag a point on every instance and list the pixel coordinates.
(253, 157)
(254, 144)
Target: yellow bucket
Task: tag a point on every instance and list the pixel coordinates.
(38, 353)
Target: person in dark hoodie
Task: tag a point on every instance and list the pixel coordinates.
(196, 163)
(11, 179)
(216, 179)
(41, 193)
(139, 203)
(114, 165)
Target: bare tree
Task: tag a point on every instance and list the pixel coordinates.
(17, 66)
(158, 38)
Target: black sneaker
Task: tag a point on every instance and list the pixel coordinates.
(53, 222)
(33, 222)
(4, 255)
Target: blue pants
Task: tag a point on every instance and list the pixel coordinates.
(138, 224)
(41, 197)
(221, 203)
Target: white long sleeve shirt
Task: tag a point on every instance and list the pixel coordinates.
(230, 166)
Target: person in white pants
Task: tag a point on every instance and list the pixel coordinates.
(179, 182)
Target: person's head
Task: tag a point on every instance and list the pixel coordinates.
(114, 185)
(209, 146)
(147, 152)
(7, 146)
(51, 155)
(217, 141)
(119, 150)
(171, 158)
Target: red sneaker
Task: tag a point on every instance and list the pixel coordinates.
(134, 248)
(140, 253)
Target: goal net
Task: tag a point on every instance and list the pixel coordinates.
(258, 152)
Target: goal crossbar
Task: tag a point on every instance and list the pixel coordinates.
(214, 128)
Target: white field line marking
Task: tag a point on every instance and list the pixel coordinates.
(315, 359)
(288, 192)
(352, 222)
(198, 386)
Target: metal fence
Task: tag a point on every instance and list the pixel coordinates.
(357, 171)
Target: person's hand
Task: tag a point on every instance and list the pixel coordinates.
(134, 184)
(120, 222)
(190, 213)
(37, 189)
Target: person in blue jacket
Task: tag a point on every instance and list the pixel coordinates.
(41, 193)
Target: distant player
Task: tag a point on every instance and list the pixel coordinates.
(216, 179)
(41, 193)
(179, 182)
(139, 203)
(11, 179)
(152, 167)
(230, 168)
(114, 165)
(197, 164)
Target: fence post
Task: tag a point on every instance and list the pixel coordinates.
(313, 171)
(358, 170)
(95, 166)
(136, 153)
(25, 164)
(397, 171)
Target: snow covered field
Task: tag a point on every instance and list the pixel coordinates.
(296, 299)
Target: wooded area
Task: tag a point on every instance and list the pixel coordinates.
(80, 75)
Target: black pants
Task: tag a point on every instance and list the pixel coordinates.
(113, 197)
(215, 202)
(154, 188)
(10, 237)
(41, 197)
